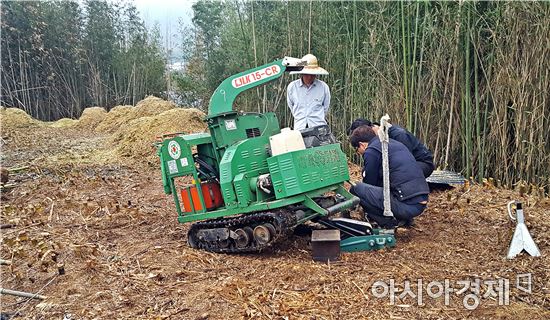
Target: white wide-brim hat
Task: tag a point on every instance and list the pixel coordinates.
(312, 66)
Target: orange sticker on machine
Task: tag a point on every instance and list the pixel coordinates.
(256, 76)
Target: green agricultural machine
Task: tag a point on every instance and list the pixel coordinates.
(241, 196)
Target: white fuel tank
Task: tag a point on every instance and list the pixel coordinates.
(286, 141)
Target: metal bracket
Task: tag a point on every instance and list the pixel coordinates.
(368, 243)
(308, 202)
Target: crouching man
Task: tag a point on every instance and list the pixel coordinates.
(408, 187)
(420, 152)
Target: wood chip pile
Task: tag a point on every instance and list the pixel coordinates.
(16, 119)
(92, 117)
(132, 130)
(63, 123)
(121, 116)
(135, 139)
(115, 118)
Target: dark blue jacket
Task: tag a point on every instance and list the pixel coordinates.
(407, 182)
(417, 148)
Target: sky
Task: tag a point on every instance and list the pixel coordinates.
(166, 13)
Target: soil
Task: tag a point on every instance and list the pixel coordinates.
(91, 229)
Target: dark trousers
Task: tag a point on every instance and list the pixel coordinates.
(372, 201)
(426, 167)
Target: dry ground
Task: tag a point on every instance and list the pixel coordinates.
(94, 232)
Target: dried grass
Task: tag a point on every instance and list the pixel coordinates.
(120, 116)
(15, 118)
(115, 118)
(63, 123)
(152, 106)
(92, 117)
(136, 139)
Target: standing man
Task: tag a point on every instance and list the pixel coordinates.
(408, 188)
(424, 157)
(308, 98)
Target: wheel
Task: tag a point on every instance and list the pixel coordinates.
(223, 243)
(264, 233)
(244, 237)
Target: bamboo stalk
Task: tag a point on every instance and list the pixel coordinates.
(405, 66)
(22, 294)
(479, 152)
(467, 113)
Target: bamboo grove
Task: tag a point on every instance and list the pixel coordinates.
(61, 56)
(471, 79)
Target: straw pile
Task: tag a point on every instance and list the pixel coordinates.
(63, 123)
(136, 138)
(116, 117)
(152, 106)
(121, 115)
(15, 118)
(92, 117)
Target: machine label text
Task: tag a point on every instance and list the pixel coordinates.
(256, 76)
(172, 167)
(184, 162)
(230, 124)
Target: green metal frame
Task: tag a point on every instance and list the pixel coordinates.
(226, 93)
(373, 242)
(305, 198)
(240, 163)
(183, 165)
(230, 128)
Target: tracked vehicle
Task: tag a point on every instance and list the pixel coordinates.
(243, 196)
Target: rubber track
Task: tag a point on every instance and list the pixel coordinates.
(283, 221)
